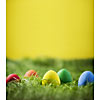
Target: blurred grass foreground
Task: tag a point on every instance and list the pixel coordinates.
(33, 90)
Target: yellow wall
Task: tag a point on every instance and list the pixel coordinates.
(54, 28)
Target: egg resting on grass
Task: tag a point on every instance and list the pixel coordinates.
(64, 76)
(51, 77)
(86, 77)
(12, 77)
(31, 73)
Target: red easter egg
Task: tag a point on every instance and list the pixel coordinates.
(12, 77)
(31, 73)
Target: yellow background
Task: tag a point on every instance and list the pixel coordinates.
(53, 28)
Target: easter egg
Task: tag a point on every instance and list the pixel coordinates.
(31, 73)
(51, 77)
(12, 77)
(64, 76)
(86, 77)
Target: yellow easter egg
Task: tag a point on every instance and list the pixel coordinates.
(51, 77)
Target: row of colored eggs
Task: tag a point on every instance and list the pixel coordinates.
(63, 76)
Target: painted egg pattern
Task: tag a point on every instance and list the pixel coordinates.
(86, 77)
(51, 77)
(12, 77)
(64, 76)
(31, 73)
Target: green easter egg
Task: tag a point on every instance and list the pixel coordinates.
(64, 76)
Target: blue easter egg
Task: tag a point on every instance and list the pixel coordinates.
(86, 77)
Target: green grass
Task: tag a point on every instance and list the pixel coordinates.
(32, 88)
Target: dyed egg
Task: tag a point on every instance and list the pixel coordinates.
(86, 77)
(12, 77)
(51, 77)
(64, 76)
(31, 73)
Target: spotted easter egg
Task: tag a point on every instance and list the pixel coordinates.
(51, 77)
(86, 77)
(64, 76)
(12, 77)
(31, 73)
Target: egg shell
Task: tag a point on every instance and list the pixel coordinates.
(64, 76)
(31, 73)
(86, 77)
(12, 77)
(51, 77)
